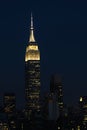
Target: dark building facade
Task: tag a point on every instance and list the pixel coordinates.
(56, 89)
(9, 103)
(83, 110)
(32, 74)
(10, 109)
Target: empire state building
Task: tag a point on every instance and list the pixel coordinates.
(32, 74)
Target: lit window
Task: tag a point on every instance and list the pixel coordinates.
(80, 99)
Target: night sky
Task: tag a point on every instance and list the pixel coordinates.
(61, 33)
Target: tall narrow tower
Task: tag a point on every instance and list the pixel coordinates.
(32, 73)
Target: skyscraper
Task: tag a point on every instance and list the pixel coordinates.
(9, 103)
(32, 73)
(83, 109)
(10, 109)
(56, 88)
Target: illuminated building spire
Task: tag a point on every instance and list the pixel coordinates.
(31, 38)
(31, 21)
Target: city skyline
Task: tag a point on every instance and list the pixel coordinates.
(60, 30)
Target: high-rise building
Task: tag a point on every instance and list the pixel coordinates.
(53, 110)
(9, 103)
(10, 109)
(32, 74)
(83, 109)
(56, 89)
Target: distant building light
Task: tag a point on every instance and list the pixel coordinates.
(78, 127)
(80, 99)
(72, 128)
(58, 128)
